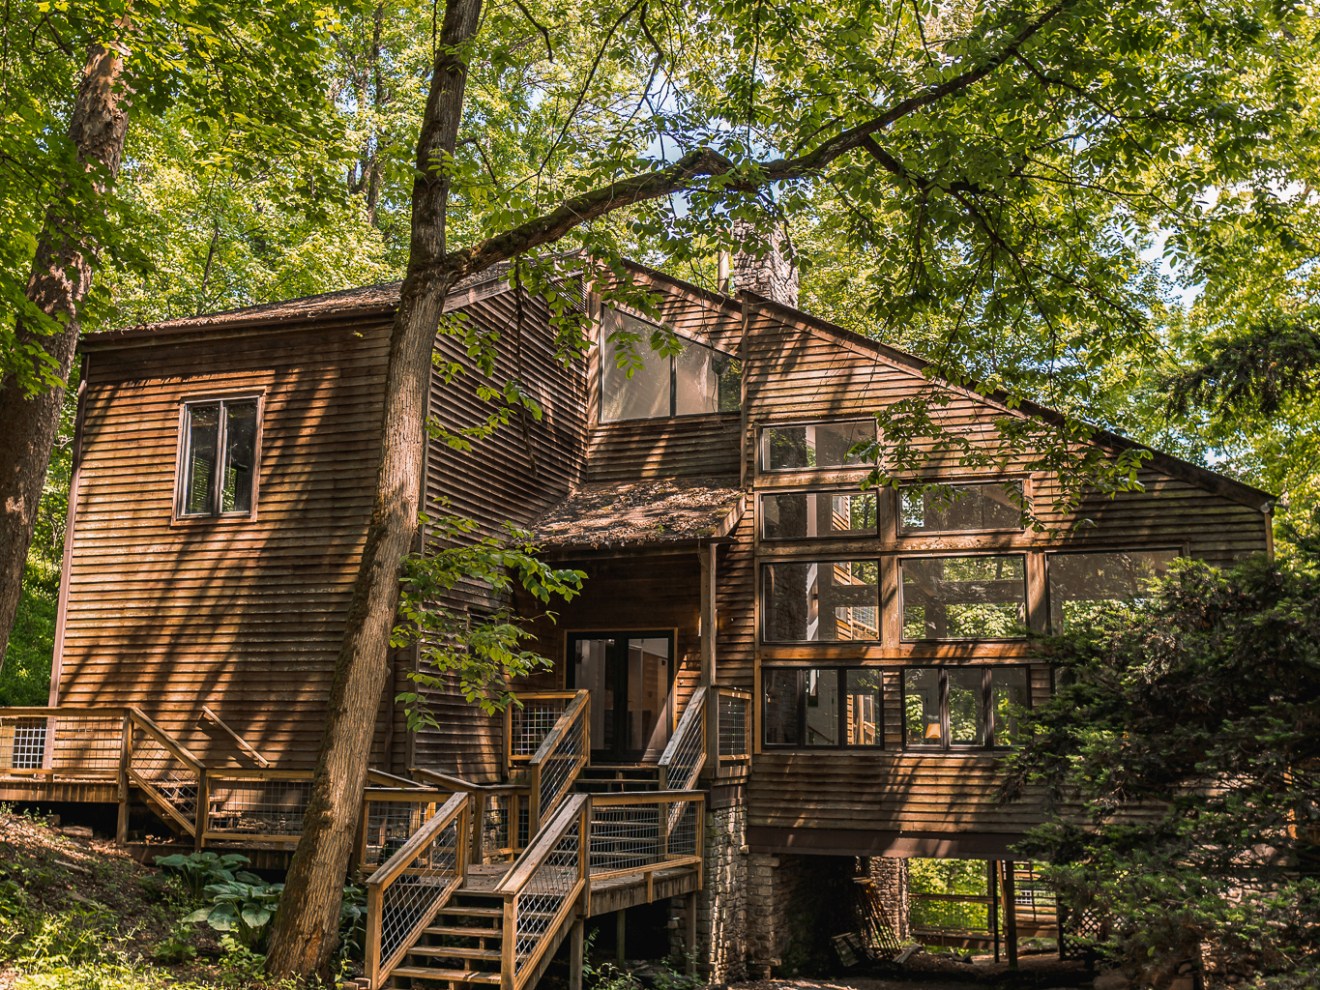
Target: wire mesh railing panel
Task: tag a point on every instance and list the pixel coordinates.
(389, 823)
(62, 747)
(735, 712)
(625, 837)
(684, 821)
(531, 722)
(161, 770)
(683, 756)
(559, 767)
(253, 807)
(546, 891)
(409, 899)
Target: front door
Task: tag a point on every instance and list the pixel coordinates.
(629, 675)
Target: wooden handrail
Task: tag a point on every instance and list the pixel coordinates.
(644, 797)
(693, 720)
(177, 748)
(561, 726)
(45, 711)
(378, 967)
(242, 743)
(383, 779)
(730, 692)
(389, 870)
(462, 784)
(527, 863)
(249, 773)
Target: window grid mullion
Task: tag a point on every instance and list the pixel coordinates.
(217, 482)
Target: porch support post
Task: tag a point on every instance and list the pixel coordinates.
(1010, 911)
(709, 619)
(575, 947)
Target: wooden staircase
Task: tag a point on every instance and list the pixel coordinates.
(462, 947)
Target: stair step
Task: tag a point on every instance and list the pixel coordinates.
(473, 910)
(454, 952)
(464, 931)
(447, 975)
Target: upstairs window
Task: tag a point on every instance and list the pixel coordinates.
(217, 473)
(821, 601)
(964, 597)
(821, 707)
(963, 707)
(962, 508)
(818, 515)
(1083, 586)
(697, 380)
(811, 446)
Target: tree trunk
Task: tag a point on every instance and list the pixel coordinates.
(61, 277)
(307, 926)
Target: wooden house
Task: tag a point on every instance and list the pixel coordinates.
(773, 672)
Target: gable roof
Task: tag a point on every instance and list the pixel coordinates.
(382, 299)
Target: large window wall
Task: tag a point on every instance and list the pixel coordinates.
(900, 617)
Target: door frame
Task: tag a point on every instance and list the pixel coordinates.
(669, 633)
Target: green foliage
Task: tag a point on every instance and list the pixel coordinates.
(479, 652)
(1180, 753)
(25, 675)
(242, 908)
(200, 869)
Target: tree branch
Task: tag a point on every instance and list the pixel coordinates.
(706, 162)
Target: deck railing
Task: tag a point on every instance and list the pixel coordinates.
(256, 806)
(683, 758)
(62, 744)
(499, 814)
(735, 730)
(558, 760)
(393, 815)
(528, 722)
(643, 832)
(409, 889)
(542, 891)
(166, 772)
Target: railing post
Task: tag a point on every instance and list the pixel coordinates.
(509, 944)
(125, 758)
(710, 725)
(203, 812)
(480, 802)
(371, 962)
(534, 803)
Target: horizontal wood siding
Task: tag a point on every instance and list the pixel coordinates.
(243, 615)
(801, 373)
(686, 446)
(513, 475)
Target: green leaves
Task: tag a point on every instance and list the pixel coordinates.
(1180, 750)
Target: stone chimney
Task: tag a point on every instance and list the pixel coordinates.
(773, 274)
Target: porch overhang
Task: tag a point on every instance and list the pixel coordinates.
(668, 514)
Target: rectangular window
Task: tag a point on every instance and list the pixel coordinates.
(821, 707)
(821, 601)
(941, 508)
(218, 473)
(963, 707)
(1084, 585)
(964, 597)
(652, 385)
(810, 446)
(818, 515)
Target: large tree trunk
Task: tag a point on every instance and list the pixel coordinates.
(61, 277)
(306, 928)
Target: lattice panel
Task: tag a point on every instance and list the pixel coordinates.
(413, 894)
(684, 821)
(173, 780)
(625, 837)
(69, 747)
(390, 824)
(257, 806)
(734, 712)
(531, 723)
(546, 892)
(560, 767)
(683, 756)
